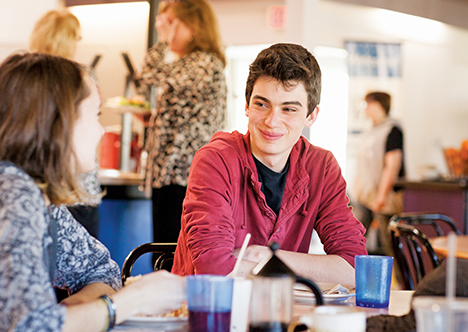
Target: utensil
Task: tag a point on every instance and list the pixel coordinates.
(241, 255)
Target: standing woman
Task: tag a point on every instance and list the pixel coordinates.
(49, 131)
(57, 32)
(190, 106)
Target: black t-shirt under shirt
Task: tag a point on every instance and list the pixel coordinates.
(395, 142)
(272, 184)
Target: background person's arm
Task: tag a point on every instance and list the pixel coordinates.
(393, 160)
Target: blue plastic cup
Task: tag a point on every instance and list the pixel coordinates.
(209, 300)
(373, 280)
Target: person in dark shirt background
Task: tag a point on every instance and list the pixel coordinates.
(380, 164)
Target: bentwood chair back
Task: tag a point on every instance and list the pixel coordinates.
(164, 256)
(431, 224)
(413, 253)
(409, 233)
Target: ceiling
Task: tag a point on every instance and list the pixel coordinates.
(454, 12)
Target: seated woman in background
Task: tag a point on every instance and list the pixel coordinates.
(57, 32)
(49, 131)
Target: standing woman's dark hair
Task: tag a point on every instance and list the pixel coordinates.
(37, 116)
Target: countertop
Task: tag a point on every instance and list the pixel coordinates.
(436, 184)
(114, 177)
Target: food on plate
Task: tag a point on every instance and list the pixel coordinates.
(137, 101)
(131, 280)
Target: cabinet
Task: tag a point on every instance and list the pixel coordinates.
(449, 198)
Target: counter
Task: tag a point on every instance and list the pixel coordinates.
(446, 197)
(125, 217)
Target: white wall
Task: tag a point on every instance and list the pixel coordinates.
(109, 30)
(17, 20)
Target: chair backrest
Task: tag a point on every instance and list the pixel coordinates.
(413, 253)
(164, 253)
(431, 224)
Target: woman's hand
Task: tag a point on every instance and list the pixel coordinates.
(166, 27)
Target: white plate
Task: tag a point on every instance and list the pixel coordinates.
(304, 296)
(167, 323)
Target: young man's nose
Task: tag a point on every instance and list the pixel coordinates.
(272, 118)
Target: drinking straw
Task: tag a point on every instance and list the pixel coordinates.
(450, 285)
(451, 279)
(241, 255)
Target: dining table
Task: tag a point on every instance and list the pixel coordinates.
(400, 304)
(440, 246)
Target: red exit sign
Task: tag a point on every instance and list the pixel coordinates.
(277, 17)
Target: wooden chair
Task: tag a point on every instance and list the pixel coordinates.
(413, 253)
(409, 236)
(164, 253)
(431, 224)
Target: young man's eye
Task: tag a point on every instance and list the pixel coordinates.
(289, 109)
(260, 104)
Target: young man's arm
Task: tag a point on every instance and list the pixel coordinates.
(320, 268)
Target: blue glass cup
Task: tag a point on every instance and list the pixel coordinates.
(373, 280)
(209, 299)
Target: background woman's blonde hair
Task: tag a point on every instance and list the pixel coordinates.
(56, 33)
(199, 17)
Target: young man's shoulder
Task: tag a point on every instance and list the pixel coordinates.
(227, 142)
(306, 150)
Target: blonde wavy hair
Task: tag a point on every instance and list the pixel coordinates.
(56, 33)
(199, 17)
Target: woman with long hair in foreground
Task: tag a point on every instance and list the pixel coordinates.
(49, 131)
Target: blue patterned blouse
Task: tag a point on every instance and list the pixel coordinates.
(27, 252)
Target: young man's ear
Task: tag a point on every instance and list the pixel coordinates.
(246, 109)
(312, 117)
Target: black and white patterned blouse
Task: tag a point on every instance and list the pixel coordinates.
(27, 299)
(191, 105)
(89, 181)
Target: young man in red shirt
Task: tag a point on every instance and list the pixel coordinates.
(271, 183)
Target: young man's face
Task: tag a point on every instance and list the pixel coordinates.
(276, 119)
